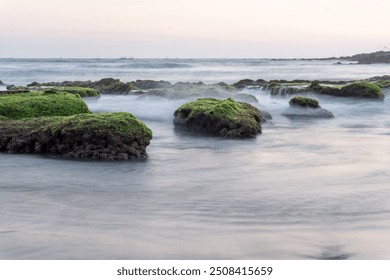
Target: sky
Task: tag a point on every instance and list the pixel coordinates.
(192, 28)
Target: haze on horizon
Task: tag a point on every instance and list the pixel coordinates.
(192, 28)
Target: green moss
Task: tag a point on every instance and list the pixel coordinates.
(357, 89)
(122, 124)
(37, 104)
(304, 102)
(82, 91)
(226, 109)
(85, 136)
(221, 111)
(363, 89)
(383, 84)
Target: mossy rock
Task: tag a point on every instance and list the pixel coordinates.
(363, 89)
(383, 83)
(82, 91)
(104, 86)
(357, 89)
(304, 102)
(38, 104)
(226, 118)
(84, 136)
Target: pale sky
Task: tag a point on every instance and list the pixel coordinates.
(192, 28)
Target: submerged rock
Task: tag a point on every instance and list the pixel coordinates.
(226, 118)
(303, 107)
(84, 136)
(244, 97)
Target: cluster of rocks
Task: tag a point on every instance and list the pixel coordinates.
(61, 123)
(53, 118)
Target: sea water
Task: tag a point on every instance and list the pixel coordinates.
(301, 190)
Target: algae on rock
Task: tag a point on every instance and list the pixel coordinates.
(37, 104)
(84, 136)
(227, 118)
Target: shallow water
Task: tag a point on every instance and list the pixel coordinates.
(300, 190)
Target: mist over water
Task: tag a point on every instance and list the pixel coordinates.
(24, 71)
(301, 190)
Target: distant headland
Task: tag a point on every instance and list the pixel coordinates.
(362, 58)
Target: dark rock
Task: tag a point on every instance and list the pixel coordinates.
(244, 83)
(149, 84)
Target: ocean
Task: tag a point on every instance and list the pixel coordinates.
(303, 189)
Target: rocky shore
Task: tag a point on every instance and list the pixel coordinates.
(368, 88)
(53, 117)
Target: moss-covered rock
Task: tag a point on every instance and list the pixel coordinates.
(356, 89)
(37, 104)
(304, 102)
(104, 86)
(84, 136)
(304, 107)
(227, 118)
(383, 83)
(82, 91)
(363, 89)
(14, 88)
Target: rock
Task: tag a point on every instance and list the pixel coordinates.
(104, 86)
(303, 107)
(106, 136)
(37, 104)
(149, 84)
(82, 91)
(266, 115)
(226, 118)
(304, 102)
(17, 88)
(246, 98)
(356, 89)
(1, 83)
(224, 86)
(244, 83)
(363, 89)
